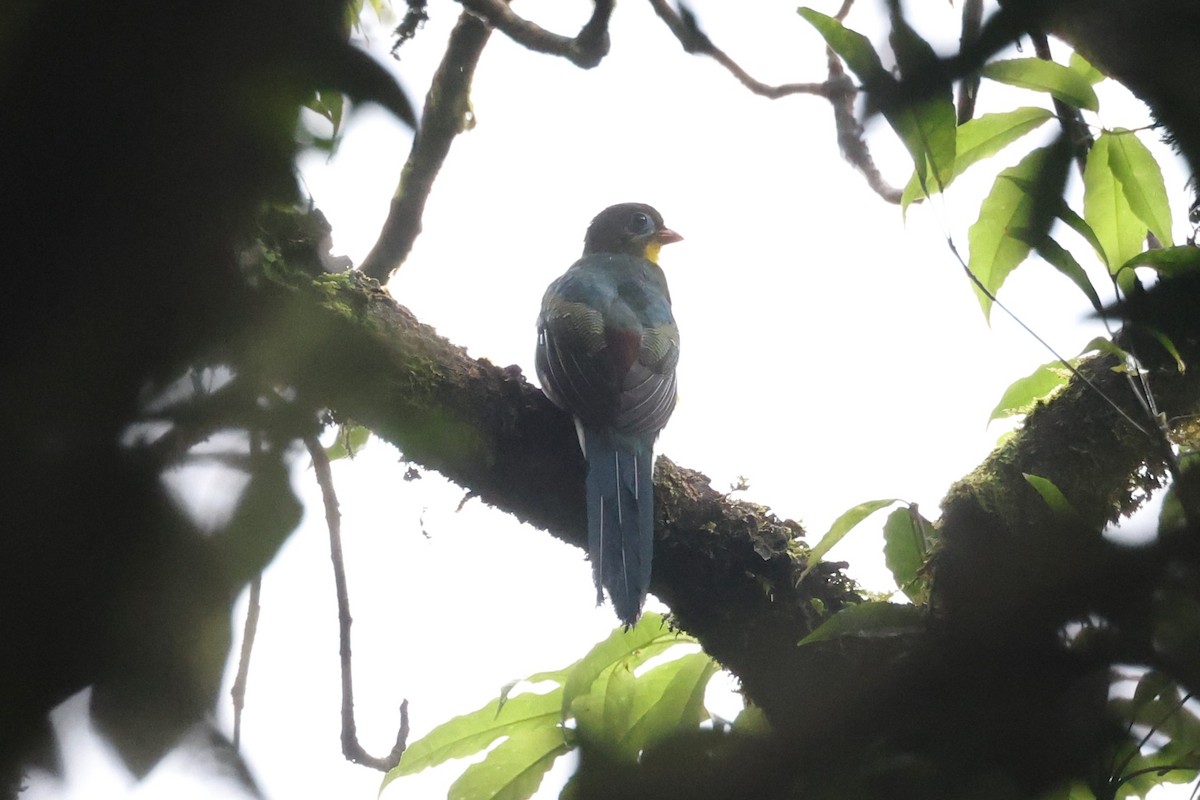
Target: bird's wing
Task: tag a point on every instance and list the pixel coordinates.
(608, 345)
(572, 358)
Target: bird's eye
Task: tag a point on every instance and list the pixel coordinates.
(640, 223)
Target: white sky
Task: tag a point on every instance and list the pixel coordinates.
(831, 354)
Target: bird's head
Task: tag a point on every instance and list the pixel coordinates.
(634, 229)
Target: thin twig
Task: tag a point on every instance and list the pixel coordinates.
(587, 49)
(838, 89)
(249, 630)
(683, 24)
(446, 114)
(1069, 366)
(1146, 739)
(351, 749)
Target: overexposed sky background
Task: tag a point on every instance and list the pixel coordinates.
(832, 353)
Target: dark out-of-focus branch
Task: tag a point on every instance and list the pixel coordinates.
(414, 17)
(1071, 119)
(447, 108)
(351, 749)
(586, 50)
(972, 24)
(838, 89)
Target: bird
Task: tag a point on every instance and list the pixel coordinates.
(607, 349)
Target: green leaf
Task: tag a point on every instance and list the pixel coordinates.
(643, 641)
(980, 138)
(669, 699)
(470, 733)
(625, 713)
(1107, 211)
(986, 135)
(514, 769)
(854, 48)
(928, 132)
(267, 512)
(1168, 262)
(329, 104)
(924, 118)
(1106, 346)
(1171, 517)
(1009, 206)
(906, 539)
(869, 621)
(1169, 345)
(1084, 68)
(1152, 685)
(1141, 181)
(604, 714)
(843, 525)
(1023, 394)
(751, 720)
(1075, 790)
(1061, 259)
(1156, 706)
(1080, 226)
(350, 439)
(1062, 82)
(1053, 496)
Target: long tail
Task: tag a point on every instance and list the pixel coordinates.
(620, 512)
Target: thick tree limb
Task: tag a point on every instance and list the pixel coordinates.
(729, 569)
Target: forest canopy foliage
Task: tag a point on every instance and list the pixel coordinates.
(173, 285)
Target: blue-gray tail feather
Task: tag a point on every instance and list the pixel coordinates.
(620, 512)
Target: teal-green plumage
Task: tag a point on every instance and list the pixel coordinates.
(607, 350)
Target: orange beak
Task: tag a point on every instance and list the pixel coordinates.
(666, 236)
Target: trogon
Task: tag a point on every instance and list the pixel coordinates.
(607, 350)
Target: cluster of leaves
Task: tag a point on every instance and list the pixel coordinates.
(1125, 224)
(601, 700)
(1124, 196)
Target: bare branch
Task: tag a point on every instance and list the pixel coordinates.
(850, 131)
(238, 691)
(585, 50)
(839, 90)
(446, 114)
(683, 24)
(351, 749)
